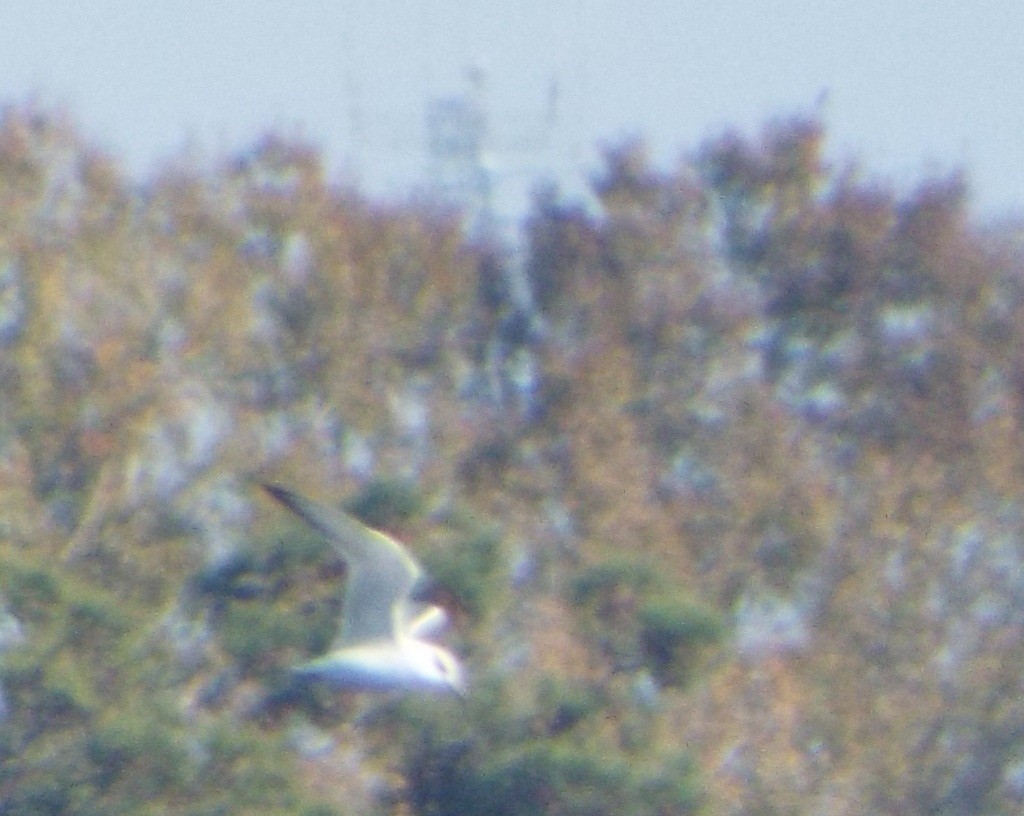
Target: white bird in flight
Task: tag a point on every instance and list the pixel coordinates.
(381, 644)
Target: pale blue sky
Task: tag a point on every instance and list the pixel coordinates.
(912, 87)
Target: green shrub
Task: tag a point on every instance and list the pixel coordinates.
(67, 691)
(488, 764)
(672, 631)
(562, 705)
(466, 566)
(31, 592)
(252, 632)
(94, 620)
(385, 501)
(139, 750)
(599, 580)
(671, 787)
(94, 725)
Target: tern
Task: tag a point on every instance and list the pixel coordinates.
(381, 644)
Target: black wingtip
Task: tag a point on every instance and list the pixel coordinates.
(315, 516)
(284, 496)
(292, 501)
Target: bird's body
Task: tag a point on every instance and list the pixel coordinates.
(381, 645)
(379, 666)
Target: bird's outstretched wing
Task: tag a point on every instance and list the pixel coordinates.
(381, 574)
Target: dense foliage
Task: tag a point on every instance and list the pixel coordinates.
(729, 507)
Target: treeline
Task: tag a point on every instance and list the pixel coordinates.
(723, 480)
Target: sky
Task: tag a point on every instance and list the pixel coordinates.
(907, 89)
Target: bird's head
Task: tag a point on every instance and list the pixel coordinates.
(437, 668)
